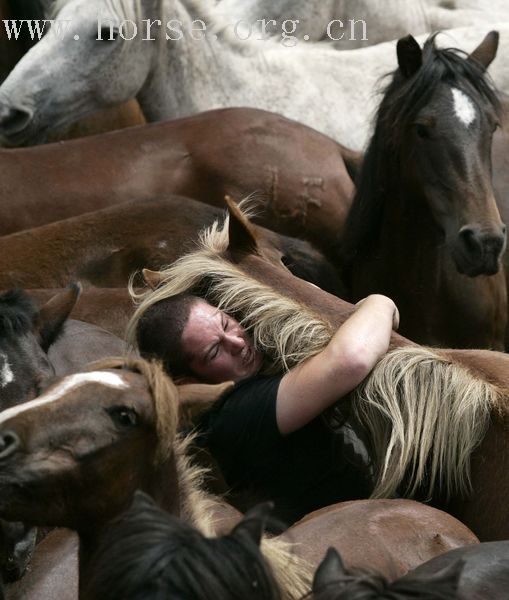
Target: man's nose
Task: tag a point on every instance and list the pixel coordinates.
(235, 343)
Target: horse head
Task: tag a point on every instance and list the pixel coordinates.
(26, 335)
(432, 150)
(75, 455)
(52, 85)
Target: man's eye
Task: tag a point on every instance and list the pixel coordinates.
(214, 352)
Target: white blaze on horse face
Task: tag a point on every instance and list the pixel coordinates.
(65, 386)
(6, 374)
(464, 108)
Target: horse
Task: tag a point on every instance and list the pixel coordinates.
(124, 439)
(302, 179)
(54, 83)
(103, 248)
(435, 419)
(146, 552)
(348, 24)
(424, 227)
(118, 432)
(332, 581)
(388, 537)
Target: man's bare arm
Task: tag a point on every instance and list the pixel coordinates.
(314, 385)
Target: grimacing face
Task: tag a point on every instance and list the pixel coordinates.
(219, 347)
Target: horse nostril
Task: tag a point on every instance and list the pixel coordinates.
(470, 239)
(14, 119)
(9, 442)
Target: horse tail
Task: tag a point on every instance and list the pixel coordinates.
(425, 415)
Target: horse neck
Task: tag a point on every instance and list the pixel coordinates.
(187, 75)
(391, 226)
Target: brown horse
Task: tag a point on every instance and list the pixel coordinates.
(389, 537)
(301, 175)
(81, 472)
(104, 248)
(123, 438)
(437, 420)
(424, 227)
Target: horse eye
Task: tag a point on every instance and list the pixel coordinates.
(125, 417)
(422, 131)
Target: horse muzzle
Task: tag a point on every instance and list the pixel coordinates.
(14, 121)
(479, 252)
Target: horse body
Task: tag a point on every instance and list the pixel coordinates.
(43, 92)
(106, 247)
(300, 176)
(395, 534)
(384, 21)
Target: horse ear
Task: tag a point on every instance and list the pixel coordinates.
(196, 398)
(487, 49)
(151, 278)
(330, 571)
(409, 56)
(241, 235)
(54, 313)
(253, 523)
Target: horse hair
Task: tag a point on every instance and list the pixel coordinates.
(17, 312)
(403, 99)
(148, 553)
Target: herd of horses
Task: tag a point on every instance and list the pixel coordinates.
(103, 493)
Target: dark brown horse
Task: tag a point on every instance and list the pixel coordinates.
(104, 248)
(299, 174)
(424, 227)
(437, 420)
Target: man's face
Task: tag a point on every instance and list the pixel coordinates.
(220, 348)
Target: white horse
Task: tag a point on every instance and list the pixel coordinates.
(350, 24)
(60, 81)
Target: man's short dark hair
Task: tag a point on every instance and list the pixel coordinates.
(159, 333)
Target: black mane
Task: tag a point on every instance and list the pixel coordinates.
(402, 101)
(149, 554)
(17, 313)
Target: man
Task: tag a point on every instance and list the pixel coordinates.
(266, 434)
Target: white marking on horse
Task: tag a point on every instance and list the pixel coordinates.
(66, 385)
(6, 374)
(464, 108)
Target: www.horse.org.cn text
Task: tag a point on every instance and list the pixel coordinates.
(174, 30)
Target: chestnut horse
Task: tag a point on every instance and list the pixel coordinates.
(124, 438)
(300, 176)
(436, 420)
(105, 247)
(424, 227)
(88, 468)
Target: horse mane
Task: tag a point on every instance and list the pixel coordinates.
(17, 313)
(402, 100)
(163, 391)
(147, 552)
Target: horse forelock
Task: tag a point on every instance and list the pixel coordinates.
(285, 330)
(17, 313)
(164, 394)
(403, 99)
